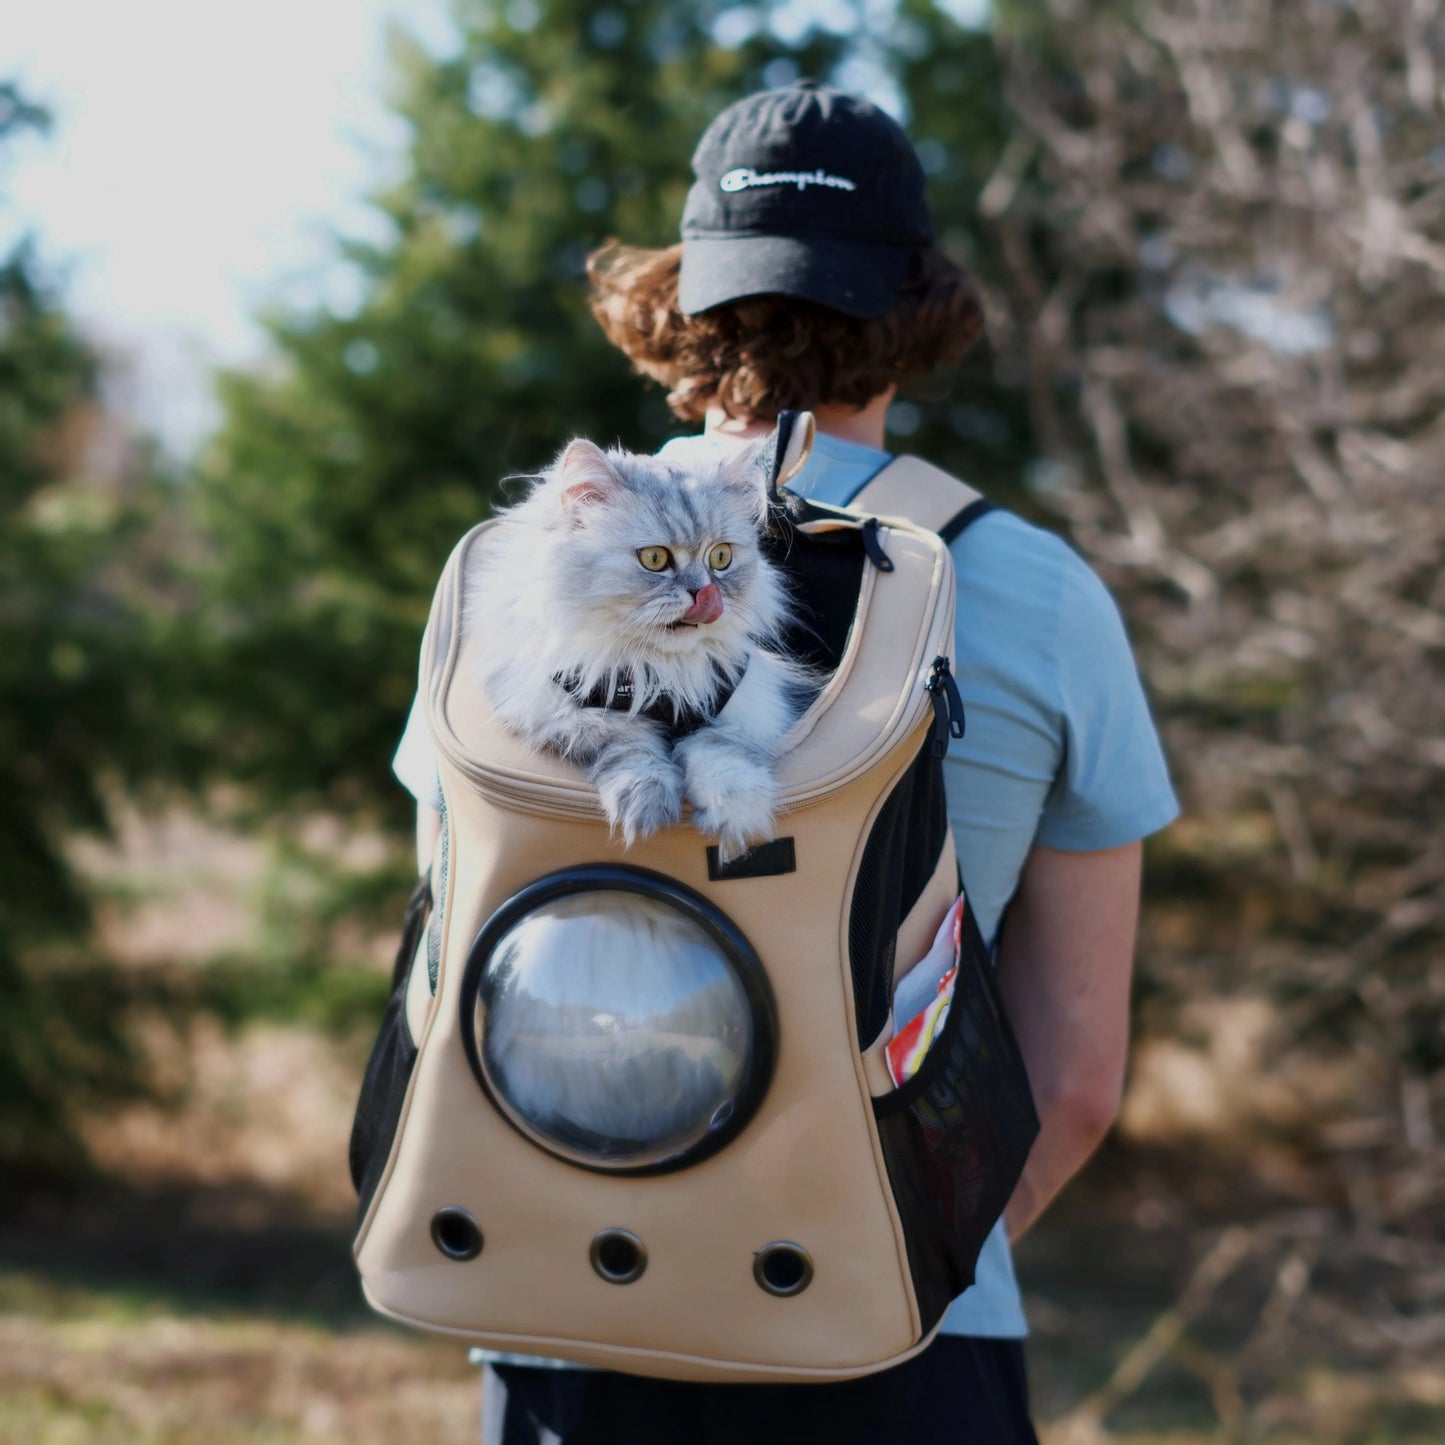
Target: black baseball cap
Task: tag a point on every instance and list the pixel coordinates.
(806, 192)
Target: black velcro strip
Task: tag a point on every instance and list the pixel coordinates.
(767, 860)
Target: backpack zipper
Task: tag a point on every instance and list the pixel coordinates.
(579, 800)
(948, 718)
(873, 546)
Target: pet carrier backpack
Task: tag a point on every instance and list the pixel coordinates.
(774, 1208)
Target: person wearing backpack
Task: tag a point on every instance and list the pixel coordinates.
(807, 278)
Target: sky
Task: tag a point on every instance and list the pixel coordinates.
(203, 155)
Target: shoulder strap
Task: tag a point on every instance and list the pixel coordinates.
(913, 488)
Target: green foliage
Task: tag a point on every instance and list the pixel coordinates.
(977, 424)
(71, 705)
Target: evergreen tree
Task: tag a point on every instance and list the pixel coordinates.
(74, 707)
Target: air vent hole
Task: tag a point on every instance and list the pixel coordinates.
(456, 1233)
(783, 1269)
(618, 1256)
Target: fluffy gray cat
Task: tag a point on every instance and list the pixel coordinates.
(625, 613)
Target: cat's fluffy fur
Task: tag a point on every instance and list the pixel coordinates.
(561, 593)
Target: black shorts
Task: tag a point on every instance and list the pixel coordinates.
(956, 1392)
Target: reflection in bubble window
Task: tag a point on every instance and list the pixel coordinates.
(617, 1031)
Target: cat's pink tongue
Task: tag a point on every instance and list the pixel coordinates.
(707, 606)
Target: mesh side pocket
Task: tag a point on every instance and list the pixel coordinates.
(955, 1136)
(899, 858)
(388, 1071)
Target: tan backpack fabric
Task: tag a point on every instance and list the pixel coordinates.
(812, 1222)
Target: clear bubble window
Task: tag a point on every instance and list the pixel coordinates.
(618, 1020)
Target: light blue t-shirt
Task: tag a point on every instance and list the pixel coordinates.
(1059, 747)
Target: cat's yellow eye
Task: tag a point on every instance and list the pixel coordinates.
(720, 557)
(655, 559)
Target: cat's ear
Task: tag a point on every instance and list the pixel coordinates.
(585, 474)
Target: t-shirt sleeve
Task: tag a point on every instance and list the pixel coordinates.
(1112, 786)
(415, 761)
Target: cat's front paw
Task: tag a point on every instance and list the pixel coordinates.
(733, 795)
(641, 798)
(734, 842)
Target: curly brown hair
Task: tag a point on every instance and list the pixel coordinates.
(760, 355)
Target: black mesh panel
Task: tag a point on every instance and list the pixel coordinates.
(388, 1071)
(900, 857)
(956, 1135)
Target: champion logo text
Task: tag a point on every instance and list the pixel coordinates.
(745, 178)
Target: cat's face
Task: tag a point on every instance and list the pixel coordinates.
(655, 557)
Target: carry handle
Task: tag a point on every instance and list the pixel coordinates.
(792, 445)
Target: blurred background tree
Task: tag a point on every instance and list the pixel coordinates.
(77, 705)
(1222, 231)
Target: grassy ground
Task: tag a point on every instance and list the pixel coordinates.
(199, 1289)
(95, 1365)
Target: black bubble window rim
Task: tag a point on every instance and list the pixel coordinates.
(731, 943)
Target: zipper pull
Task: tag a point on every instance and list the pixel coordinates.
(948, 720)
(873, 547)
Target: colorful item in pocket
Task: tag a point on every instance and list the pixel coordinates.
(907, 1048)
